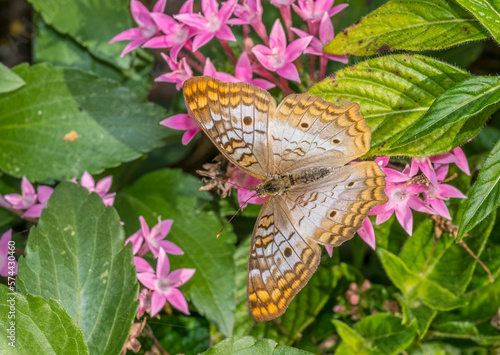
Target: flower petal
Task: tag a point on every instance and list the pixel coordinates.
(87, 181)
(147, 279)
(367, 233)
(142, 266)
(44, 193)
(182, 275)
(177, 300)
(295, 49)
(440, 207)
(189, 135)
(163, 265)
(170, 248)
(405, 218)
(158, 300)
(289, 71)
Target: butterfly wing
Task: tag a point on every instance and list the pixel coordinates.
(281, 261)
(309, 132)
(332, 209)
(235, 116)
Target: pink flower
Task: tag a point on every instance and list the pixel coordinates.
(312, 11)
(456, 156)
(209, 70)
(326, 34)
(164, 285)
(101, 188)
(402, 199)
(243, 183)
(154, 239)
(5, 268)
(250, 13)
(212, 23)
(366, 232)
(183, 122)
(28, 199)
(142, 265)
(392, 175)
(244, 73)
(177, 34)
(278, 57)
(147, 26)
(181, 72)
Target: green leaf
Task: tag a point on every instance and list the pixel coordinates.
(112, 125)
(247, 345)
(172, 194)
(393, 92)
(484, 197)
(63, 51)
(456, 116)
(386, 333)
(410, 25)
(353, 342)
(9, 81)
(91, 23)
(414, 287)
(39, 327)
(77, 255)
(487, 12)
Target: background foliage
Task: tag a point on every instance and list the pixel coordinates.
(423, 73)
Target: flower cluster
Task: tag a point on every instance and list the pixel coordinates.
(30, 202)
(162, 284)
(274, 60)
(425, 192)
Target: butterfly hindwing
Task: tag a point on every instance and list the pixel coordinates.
(235, 116)
(332, 209)
(281, 261)
(309, 132)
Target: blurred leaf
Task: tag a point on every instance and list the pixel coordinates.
(247, 345)
(484, 197)
(463, 330)
(62, 50)
(393, 92)
(39, 327)
(409, 25)
(64, 121)
(455, 117)
(487, 12)
(461, 56)
(77, 255)
(376, 334)
(182, 334)
(9, 81)
(433, 348)
(91, 23)
(172, 194)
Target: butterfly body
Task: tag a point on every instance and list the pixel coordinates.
(299, 149)
(280, 183)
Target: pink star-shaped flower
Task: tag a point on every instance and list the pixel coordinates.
(164, 285)
(278, 57)
(456, 156)
(154, 239)
(101, 188)
(402, 199)
(213, 22)
(177, 34)
(181, 72)
(312, 11)
(28, 199)
(249, 12)
(147, 27)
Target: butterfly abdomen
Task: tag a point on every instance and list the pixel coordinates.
(308, 175)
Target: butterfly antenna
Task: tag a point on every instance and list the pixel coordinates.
(234, 215)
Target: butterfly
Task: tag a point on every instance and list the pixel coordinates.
(299, 150)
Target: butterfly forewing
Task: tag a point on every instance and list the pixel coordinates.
(281, 261)
(332, 209)
(309, 132)
(235, 116)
